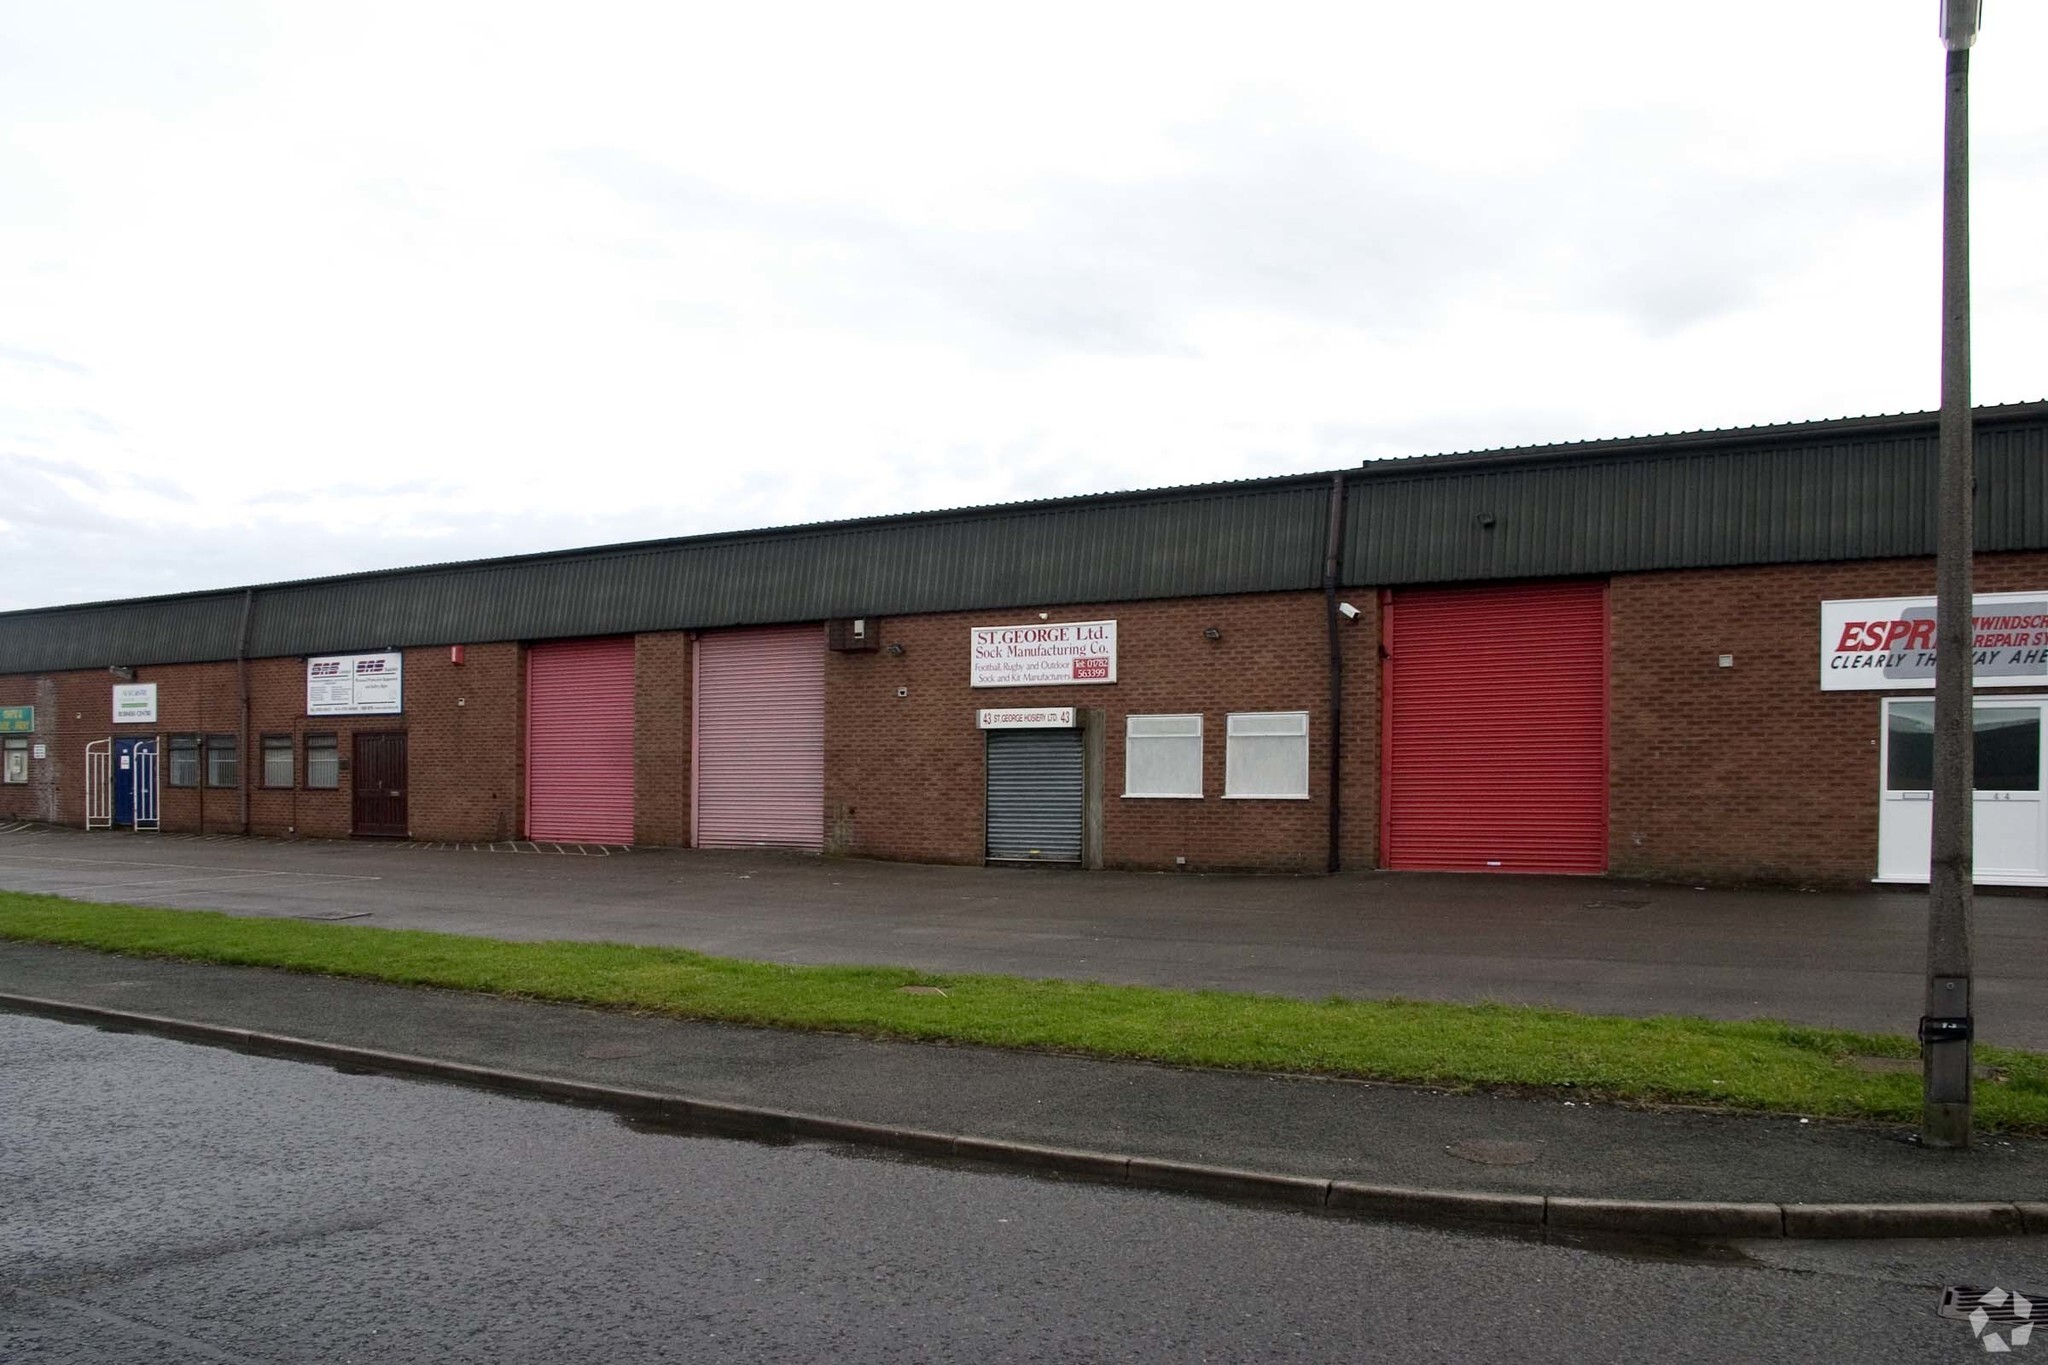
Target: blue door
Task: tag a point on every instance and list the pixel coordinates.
(125, 764)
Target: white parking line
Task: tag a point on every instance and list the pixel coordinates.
(6, 858)
(218, 877)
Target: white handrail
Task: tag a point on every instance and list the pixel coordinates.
(99, 784)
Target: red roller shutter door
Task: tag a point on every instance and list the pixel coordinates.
(760, 742)
(1496, 729)
(579, 741)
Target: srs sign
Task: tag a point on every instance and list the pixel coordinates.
(1888, 642)
(1040, 655)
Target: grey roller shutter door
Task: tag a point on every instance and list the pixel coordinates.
(1034, 796)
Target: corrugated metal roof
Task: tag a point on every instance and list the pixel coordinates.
(1847, 488)
(1819, 491)
(1075, 551)
(180, 630)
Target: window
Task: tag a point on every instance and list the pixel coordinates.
(16, 768)
(222, 761)
(2007, 748)
(1266, 755)
(184, 760)
(323, 762)
(1163, 756)
(277, 760)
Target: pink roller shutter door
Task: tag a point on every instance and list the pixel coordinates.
(760, 741)
(579, 741)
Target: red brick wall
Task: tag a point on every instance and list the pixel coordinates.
(1751, 773)
(661, 739)
(466, 747)
(463, 724)
(904, 775)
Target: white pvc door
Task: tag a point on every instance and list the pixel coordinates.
(2010, 816)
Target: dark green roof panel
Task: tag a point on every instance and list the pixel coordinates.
(1259, 539)
(178, 630)
(1835, 498)
(1853, 488)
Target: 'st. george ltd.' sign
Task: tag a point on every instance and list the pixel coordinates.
(1043, 654)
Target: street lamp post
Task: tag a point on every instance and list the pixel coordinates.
(1946, 1027)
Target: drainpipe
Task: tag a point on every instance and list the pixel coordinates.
(242, 677)
(1332, 568)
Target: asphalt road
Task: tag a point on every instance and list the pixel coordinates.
(172, 1204)
(1847, 959)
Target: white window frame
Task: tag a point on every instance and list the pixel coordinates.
(1131, 741)
(1231, 768)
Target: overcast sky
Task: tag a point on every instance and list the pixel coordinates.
(297, 289)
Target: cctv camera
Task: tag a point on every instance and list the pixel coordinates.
(1350, 612)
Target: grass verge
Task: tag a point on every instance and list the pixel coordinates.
(1757, 1066)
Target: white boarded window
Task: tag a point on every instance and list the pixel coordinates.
(1163, 756)
(1266, 755)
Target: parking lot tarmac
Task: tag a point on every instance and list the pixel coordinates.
(1849, 959)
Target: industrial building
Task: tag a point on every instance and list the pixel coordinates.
(1702, 656)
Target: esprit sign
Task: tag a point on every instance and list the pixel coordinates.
(1876, 643)
(355, 685)
(1024, 718)
(1043, 655)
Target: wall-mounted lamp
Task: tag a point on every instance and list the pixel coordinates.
(123, 672)
(1485, 520)
(896, 648)
(1347, 611)
(1212, 634)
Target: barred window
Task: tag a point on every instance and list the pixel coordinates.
(323, 762)
(184, 760)
(278, 761)
(223, 761)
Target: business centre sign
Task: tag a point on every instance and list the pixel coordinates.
(1875, 643)
(1042, 654)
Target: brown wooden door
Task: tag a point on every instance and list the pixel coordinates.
(380, 785)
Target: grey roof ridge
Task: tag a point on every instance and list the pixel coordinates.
(1373, 468)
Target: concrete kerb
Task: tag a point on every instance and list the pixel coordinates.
(1525, 1213)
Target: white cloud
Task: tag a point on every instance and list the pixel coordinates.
(290, 290)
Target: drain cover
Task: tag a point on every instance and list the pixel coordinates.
(2000, 1307)
(612, 1052)
(1495, 1151)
